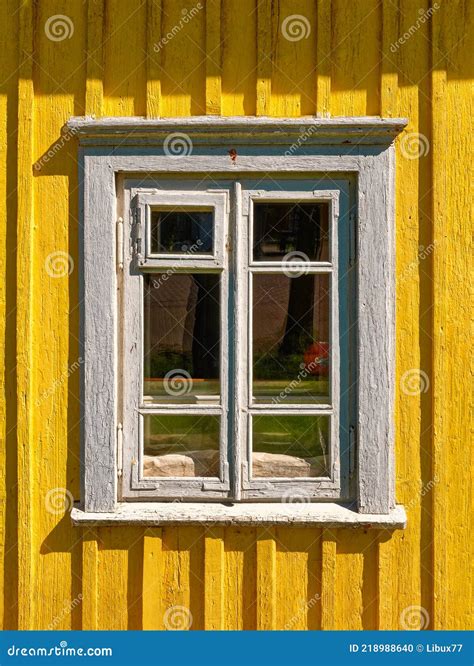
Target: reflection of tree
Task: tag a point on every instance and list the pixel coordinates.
(299, 324)
(206, 328)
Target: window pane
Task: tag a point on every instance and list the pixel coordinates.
(299, 230)
(290, 338)
(290, 446)
(181, 445)
(181, 338)
(181, 232)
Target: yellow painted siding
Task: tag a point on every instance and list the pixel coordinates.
(232, 58)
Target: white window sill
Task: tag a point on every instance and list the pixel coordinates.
(251, 514)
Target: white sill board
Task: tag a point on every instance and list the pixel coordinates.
(251, 514)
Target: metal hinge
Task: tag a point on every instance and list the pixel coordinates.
(119, 449)
(119, 232)
(137, 233)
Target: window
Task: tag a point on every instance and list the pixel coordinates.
(238, 322)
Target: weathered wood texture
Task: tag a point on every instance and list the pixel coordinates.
(232, 57)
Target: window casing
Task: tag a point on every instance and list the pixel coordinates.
(348, 164)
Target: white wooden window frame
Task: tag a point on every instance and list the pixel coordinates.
(362, 147)
(246, 409)
(132, 410)
(213, 201)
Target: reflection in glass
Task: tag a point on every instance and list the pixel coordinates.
(181, 445)
(290, 338)
(290, 446)
(181, 232)
(181, 337)
(284, 228)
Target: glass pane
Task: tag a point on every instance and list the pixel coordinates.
(181, 338)
(291, 231)
(181, 445)
(290, 446)
(290, 338)
(182, 232)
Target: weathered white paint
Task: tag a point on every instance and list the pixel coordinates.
(324, 514)
(360, 147)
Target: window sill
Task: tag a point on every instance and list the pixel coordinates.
(252, 514)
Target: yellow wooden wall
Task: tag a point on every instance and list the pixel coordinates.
(232, 58)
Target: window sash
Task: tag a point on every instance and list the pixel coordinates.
(135, 485)
(235, 481)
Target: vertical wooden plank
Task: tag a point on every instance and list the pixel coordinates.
(388, 547)
(356, 580)
(59, 93)
(213, 58)
(292, 86)
(323, 58)
(355, 84)
(266, 579)
(452, 504)
(411, 552)
(239, 57)
(214, 579)
(125, 58)
(27, 515)
(153, 79)
(240, 585)
(90, 581)
(328, 582)
(152, 578)
(112, 607)
(95, 65)
(298, 585)
(183, 578)
(9, 60)
(389, 75)
(264, 56)
(183, 59)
